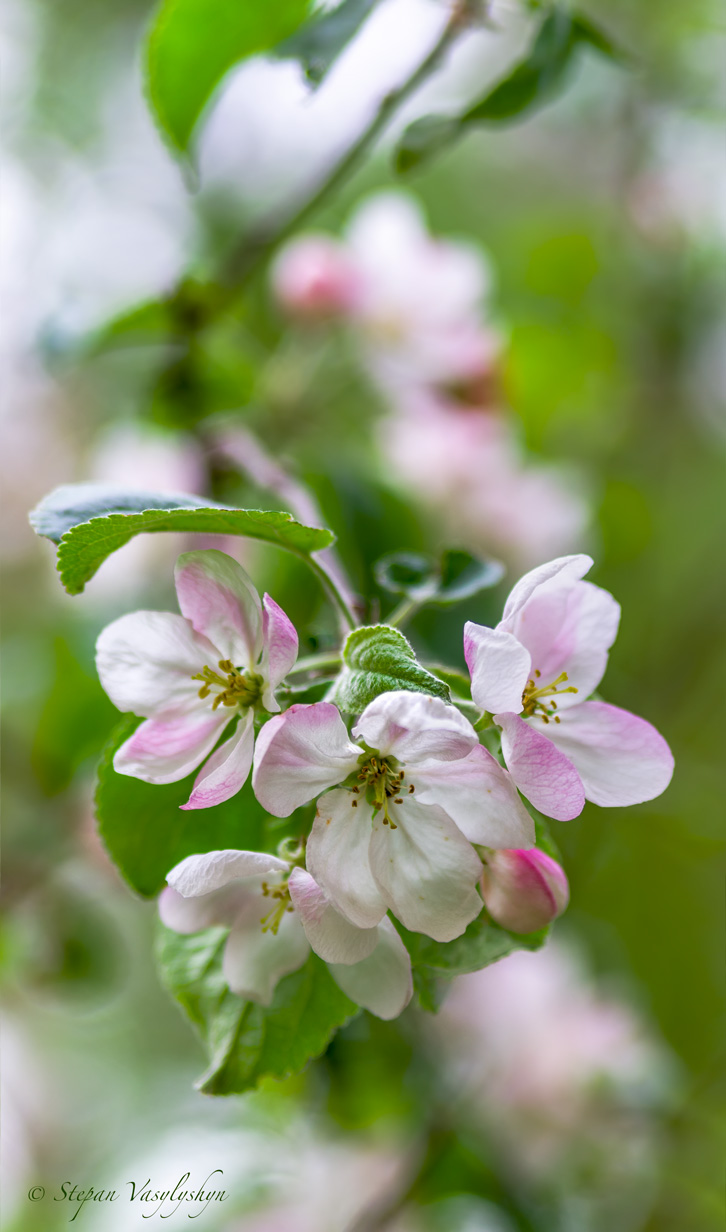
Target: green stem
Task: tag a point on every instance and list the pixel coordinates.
(347, 616)
(314, 663)
(404, 612)
(258, 244)
(486, 720)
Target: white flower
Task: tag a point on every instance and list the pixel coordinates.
(421, 791)
(275, 914)
(189, 675)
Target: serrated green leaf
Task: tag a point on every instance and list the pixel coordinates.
(320, 41)
(90, 521)
(532, 83)
(193, 43)
(146, 832)
(457, 576)
(482, 943)
(247, 1042)
(379, 659)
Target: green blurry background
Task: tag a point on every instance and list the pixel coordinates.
(604, 220)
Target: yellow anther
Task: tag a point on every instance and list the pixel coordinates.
(541, 700)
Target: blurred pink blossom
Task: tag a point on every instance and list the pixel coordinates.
(315, 277)
(467, 467)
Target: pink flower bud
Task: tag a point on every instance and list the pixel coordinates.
(524, 890)
(313, 277)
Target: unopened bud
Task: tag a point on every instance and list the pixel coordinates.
(523, 890)
(314, 278)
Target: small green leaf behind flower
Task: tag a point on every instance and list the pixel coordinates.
(319, 42)
(457, 576)
(532, 83)
(246, 1042)
(90, 521)
(379, 659)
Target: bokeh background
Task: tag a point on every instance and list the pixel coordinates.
(602, 221)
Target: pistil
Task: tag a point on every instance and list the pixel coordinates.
(236, 687)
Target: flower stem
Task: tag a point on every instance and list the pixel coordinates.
(404, 612)
(316, 662)
(348, 619)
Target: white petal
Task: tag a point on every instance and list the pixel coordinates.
(255, 961)
(227, 769)
(563, 570)
(333, 937)
(219, 599)
(426, 870)
(280, 646)
(165, 750)
(382, 982)
(542, 773)
(499, 665)
(299, 754)
(337, 857)
(189, 915)
(412, 726)
(479, 795)
(201, 874)
(146, 661)
(620, 758)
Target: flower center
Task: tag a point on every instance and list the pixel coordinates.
(382, 782)
(236, 687)
(540, 699)
(281, 902)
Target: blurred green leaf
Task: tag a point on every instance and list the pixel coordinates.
(69, 516)
(320, 41)
(532, 82)
(193, 43)
(74, 723)
(459, 684)
(484, 942)
(247, 1042)
(146, 832)
(379, 659)
(458, 576)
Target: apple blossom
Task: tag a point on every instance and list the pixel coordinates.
(534, 673)
(419, 790)
(276, 912)
(189, 675)
(314, 277)
(523, 890)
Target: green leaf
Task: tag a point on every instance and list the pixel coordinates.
(247, 1042)
(532, 82)
(70, 517)
(193, 43)
(457, 576)
(320, 41)
(484, 942)
(379, 659)
(74, 723)
(459, 684)
(146, 832)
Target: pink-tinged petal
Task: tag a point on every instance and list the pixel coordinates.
(412, 726)
(280, 647)
(524, 890)
(499, 666)
(620, 758)
(480, 796)
(220, 601)
(166, 750)
(226, 771)
(254, 961)
(562, 571)
(381, 983)
(570, 629)
(189, 915)
(542, 773)
(203, 874)
(300, 753)
(425, 870)
(337, 857)
(333, 937)
(146, 661)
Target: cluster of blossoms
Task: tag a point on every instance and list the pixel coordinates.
(415, 816)
(416, 306)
